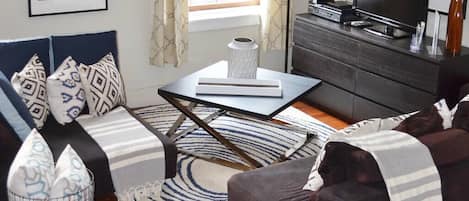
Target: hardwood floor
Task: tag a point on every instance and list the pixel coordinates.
(320, 115)
(310, 110)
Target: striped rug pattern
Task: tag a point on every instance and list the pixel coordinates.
(263, 141)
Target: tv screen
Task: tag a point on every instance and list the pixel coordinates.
(402, 12)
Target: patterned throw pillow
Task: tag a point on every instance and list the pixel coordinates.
(103, 85)
(32, 172)
(71, 175)
(65, 92)
(30, 84)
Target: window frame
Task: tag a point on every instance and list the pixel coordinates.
(224, 5)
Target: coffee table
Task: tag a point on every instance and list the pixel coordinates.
(258, 108)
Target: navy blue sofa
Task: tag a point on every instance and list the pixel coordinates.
(84, 48)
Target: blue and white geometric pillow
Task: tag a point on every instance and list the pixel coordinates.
(103, 85)
(71, 176)
(32, 172)
(30, 84)
(65, 92)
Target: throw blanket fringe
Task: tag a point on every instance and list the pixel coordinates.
(148, 191)
(136, 156)
(405, 163)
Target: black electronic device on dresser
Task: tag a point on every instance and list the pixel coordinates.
(366, 76)
(337, 11)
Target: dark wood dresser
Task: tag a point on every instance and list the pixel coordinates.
(365, 76)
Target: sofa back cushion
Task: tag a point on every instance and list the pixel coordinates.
(85, 48)
(15, 54)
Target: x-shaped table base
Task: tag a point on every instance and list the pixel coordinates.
(203, 123)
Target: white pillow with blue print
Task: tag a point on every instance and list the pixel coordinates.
(65, 92)
(32, 172)
(71, 175)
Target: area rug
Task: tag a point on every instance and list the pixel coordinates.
(198, 179)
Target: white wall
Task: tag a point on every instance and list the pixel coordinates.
(443, 22)
(132, 20)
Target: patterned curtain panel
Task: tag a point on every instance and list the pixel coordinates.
(274, 24)
(169, 40)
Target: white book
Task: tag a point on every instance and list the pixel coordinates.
(239, 87)
(239, 82)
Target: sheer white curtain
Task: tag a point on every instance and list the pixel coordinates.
(169, 40)
(274, 24)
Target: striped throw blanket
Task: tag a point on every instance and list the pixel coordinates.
(134, 153)
(405, 163)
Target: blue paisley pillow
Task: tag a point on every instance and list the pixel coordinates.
(65, 92)
(32, 172)
(71, 176)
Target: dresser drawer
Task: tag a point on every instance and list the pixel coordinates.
(392, 94)
(365, 109)
(324, 68)
(325, 42)
(339, 102)
(400, 67)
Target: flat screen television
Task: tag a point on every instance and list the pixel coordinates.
(404, 14)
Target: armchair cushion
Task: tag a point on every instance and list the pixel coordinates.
(432, 119)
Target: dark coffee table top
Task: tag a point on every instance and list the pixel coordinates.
(261, 107)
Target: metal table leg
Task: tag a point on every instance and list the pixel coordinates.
(250, 161)
(179, 121)
(292, 150)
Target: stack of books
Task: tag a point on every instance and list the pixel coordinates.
(239, 87)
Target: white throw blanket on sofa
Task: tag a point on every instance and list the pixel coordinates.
(136, 156)
(405, 163)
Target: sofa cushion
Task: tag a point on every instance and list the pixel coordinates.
(15, 54)
(282, 181)
(30, 84)
(103, 85)
(85, 48)
(65, 92)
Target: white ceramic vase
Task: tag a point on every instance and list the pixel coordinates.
(243, 58)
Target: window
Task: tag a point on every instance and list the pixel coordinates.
(195, 5)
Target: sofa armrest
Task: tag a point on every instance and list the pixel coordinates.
(352, 191)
